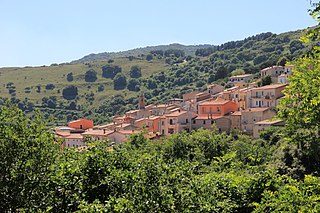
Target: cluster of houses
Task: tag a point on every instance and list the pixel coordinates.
(242, 107)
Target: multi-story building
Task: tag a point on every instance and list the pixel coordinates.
(273, 72)
(217, 107)
(240, 80)
(266, 96)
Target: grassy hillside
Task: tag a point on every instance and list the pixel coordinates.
(164, 76)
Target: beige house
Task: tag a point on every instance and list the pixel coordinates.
(266, 96)
(235, 119)
(240, 80)
(222, 123)
(273, 72)
(262, 125)
(176, 122)
(252, 115)
(214, 89)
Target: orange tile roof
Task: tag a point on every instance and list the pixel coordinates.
(236, 113)
(81, 119)
(215, 102)
(74, 136)
(176, 114)
(98, 132)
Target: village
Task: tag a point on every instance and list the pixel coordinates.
(242, 107)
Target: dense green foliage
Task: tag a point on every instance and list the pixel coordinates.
(202, 171)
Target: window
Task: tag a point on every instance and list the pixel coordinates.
(203, 109)
(257, 103)
(187, 121)
(262, 93)
(162, 123)
(204, 121)
(194, 121)
(257, 94)
(171, 122)
(171, 131)
(218, 109)
(80, 126)
(212, 121)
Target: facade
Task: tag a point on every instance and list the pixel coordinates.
(273, 72)
(252, 115)
(176, 122)
(222, 123)
(73, 140)
(81, 124)
(262, 125)
(235, 120)
(240, 80)
(266, 96)
(214, 89)
(218, 107)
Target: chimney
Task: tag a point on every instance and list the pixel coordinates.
(104, 131)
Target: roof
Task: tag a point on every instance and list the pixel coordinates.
(206, 117)
(176, 114)
(268, 68)
(139, 120)
(255, 110)
(269, 122)
(128, 132)
(74, 136)
(153, 117)
(236, 113)
(241, 76)
(132, 111)
(272, 86)
(97, 132)
(79, 120)
(218, 101)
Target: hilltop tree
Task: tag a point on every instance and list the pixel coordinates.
(119, 81)
(133, 85)
(70, 92)
(70, 76)
(110, 71)
(149, 57)
(135, 71)
(90, 76)
(222, 72)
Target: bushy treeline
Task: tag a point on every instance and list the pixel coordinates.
(202, 171)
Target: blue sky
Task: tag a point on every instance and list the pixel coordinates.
(38, 32)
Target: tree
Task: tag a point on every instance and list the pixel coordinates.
(237, 72)
(110, 71)
(70, 92)
(221, 73)
(282, 61)
(149, 57)
(133, 85)
(135, 71)
(266, 80)
(90, 76)
(27, 152)
(119, 81)
(70, 76)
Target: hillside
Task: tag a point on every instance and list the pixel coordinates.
(188, 49)
(164, 75)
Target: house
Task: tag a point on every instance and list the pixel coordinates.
(176, 122)
(252, 115)
(222, 123)
(283, 78)
(126, 126)
(266, 96)
(217, 107)
(235, 119)
(238, 95)
(81, 124)
(73, 140)
(273, 72)
(213, 89)
(265, 124)
(96, 134)
(240, 80)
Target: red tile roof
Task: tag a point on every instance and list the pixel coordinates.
(176, 114)
(272, 86)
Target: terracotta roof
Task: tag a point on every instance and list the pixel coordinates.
(74, 136)
(153, 117)
(176, 113)
(79, 120)
(132, 111)
(128, 132)
(218, 101)
(124, 125)
(63, 133)
(255, 110)
(272, 86)
(97, 132)
(236, 113)
(139, 120)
